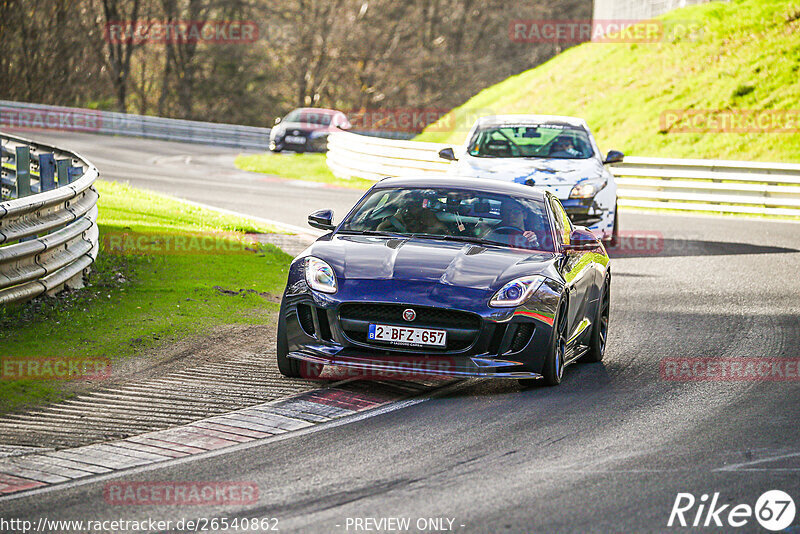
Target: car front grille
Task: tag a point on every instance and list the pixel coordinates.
(462, 327)
(426, 317)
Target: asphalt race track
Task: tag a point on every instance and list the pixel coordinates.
(608, 450)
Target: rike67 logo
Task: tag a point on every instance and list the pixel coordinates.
(774, 510)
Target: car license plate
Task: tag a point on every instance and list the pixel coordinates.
(402, 335)
(296, 139)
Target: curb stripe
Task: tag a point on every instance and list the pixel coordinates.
(231, 429)
(242, 427)
(12, 484)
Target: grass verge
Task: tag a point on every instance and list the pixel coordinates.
(307, 167)
(745, 57)
(146, 294)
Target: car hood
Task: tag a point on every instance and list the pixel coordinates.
(544, 172)
(303, 126)
(447, 262)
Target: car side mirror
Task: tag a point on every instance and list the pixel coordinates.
(582, 238)
(322, 219)
(614, 156)
(277, 120)
(448, 154)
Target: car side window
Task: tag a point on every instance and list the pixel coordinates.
(563, 224)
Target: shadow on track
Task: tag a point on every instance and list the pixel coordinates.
(673, 248)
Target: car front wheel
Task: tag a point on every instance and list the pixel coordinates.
(553, 369)
(615, 231)
(597, 343)
(287, 366)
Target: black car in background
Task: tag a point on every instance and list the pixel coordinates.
(306, 129)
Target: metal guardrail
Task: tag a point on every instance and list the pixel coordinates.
(743, 187)
(356, 156)
(709, 185)
(38, 116)
(48, 219)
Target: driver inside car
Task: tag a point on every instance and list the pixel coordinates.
(512, 222)
(413, 217)
(563, 147)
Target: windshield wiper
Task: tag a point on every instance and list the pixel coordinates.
(464, 238)
(373, 232)
(460, 238)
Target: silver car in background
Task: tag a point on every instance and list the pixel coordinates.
(545, 151)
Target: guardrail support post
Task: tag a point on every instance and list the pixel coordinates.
(47, 172)
(62, 171)
(75, 173)
(23, 163)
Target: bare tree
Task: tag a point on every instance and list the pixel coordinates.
(348, 54)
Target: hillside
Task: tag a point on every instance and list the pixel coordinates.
(746, 58)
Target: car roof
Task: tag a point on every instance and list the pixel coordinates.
(319, 110)
(498, 120)
(462, 182)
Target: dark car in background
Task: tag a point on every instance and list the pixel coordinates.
(306, 129)
(449, 276)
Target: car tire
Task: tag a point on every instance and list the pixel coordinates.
(553, 369)
(287, 366)
(615, 230)
(597, 343)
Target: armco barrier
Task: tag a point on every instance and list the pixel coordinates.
(48, 219)
(37, 116)
(709, 185)
(21, 115)
(351, 155)
(679, 184)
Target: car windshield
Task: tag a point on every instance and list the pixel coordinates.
(453, 214)
(309, 117)
(560, 141)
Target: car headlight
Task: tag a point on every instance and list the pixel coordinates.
(320, 275)
(586, 189)
(318, 134)
(516, 292)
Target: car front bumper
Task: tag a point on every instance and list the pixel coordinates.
(598, 214)
(312, 144)
(417, 368)
(500, 343)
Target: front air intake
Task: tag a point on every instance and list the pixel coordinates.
(306, 318)
(522, 337)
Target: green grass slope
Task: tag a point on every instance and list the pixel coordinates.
(144, 293)
(746, 58)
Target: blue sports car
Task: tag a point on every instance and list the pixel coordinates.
(447, 276)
